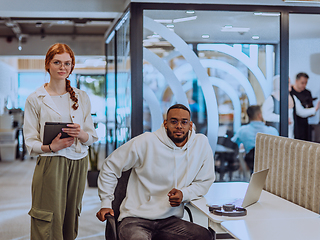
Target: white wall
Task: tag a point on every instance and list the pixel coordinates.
(304, 56)
(9, 85)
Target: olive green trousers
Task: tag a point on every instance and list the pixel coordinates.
(57, 188)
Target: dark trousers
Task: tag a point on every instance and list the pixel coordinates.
(132, 228)
(249, 159)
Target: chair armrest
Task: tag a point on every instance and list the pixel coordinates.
(111, 228)
(189, 213)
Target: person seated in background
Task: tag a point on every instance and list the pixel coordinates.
(170, 167)
(247, 133)
(271, 109)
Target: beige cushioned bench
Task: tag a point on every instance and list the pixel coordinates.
(294, 169)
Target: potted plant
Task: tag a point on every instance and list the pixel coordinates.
(93, 173)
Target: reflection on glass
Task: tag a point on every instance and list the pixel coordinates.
(240, 65)
(123, 84)
(111, 97)
(238, 55)
(93, 85)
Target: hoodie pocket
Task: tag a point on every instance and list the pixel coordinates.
(41, 223)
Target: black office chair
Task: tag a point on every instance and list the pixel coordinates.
(119, 194)
(229, 161)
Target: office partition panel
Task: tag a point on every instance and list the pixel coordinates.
(233, 68)
(304, 57)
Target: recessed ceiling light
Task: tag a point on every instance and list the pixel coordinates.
(234, 29)
(255, 37)
(154, 36)
(184, 19)
(205, 36)
(190, 11)
(170, 25)
(266, 14)
(38, 24)
(163, 20)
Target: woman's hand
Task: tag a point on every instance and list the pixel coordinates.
(74, 130)
(61, 143)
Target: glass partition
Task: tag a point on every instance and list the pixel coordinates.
(111, 96)
(123, 82)
(223, 63)
(304, 57)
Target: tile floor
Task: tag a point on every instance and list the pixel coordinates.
(15, 202)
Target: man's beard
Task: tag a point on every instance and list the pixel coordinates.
(175, 139)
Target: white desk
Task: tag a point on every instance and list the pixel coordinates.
(270, 210)
(275, 229)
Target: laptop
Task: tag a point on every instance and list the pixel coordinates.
(254, 189)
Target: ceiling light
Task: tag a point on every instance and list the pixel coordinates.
(170, 25)
(38, 24)
(163, 20)
(255, 37)
(151, 40)
(154, 36)
(184, 19)
(228, 26)
(190, 11)
(266, 14)
(61, 22)
(234, 29)
(205, 36)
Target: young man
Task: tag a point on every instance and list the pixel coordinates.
(247, 133)
(170, 167)
(299, 90)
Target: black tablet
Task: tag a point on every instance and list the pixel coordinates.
(52, 129)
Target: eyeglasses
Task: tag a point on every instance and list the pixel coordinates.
(59, 64)
(183, 123)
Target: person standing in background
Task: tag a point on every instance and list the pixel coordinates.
(271, 109)
(59, 177)
(299, 90)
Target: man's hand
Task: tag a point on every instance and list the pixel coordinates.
(101, 215)
(175, 197)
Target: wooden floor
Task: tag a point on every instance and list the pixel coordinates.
(15, 202)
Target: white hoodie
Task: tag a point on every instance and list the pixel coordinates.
(158, 165)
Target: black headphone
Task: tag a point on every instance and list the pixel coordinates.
(229, 210)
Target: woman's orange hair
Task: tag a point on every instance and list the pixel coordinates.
(59, 48)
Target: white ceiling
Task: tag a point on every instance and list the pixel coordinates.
(87, 21)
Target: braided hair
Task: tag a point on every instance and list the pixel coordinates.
(59, 48)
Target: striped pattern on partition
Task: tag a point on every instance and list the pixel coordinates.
(294, 169)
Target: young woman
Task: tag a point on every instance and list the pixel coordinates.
(60, 173)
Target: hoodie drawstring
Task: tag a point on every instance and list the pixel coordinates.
(186, 182)
(175, 169)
